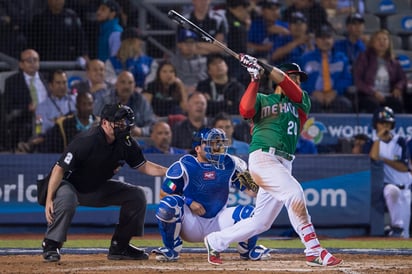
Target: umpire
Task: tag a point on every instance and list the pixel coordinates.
(82, 176)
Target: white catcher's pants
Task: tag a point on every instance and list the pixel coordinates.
(277, 188)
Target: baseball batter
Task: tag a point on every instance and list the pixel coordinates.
(392, 150)
(277, 119)
(195, 195)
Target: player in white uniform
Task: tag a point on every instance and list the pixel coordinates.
(195, 194)
(392, 150)
(277, 120)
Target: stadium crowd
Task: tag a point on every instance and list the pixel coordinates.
(350, 68)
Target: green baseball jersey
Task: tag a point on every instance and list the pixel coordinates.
(276, 122)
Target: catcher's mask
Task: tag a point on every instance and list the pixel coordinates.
(122, 116)
(384, 114)
(216, 145)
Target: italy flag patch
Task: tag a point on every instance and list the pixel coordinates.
(171, 185)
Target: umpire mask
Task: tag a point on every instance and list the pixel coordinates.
(123, 118)
(123, 122)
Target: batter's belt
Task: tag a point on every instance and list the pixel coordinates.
(278, 152)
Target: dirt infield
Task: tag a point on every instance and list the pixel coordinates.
(282, 261)
(197, 263)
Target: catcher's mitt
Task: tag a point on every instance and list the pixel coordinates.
(247, 181)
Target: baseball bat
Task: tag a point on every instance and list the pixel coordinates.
(187, 24)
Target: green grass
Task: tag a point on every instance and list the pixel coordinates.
(294, 243)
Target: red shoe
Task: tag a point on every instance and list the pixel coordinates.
(324, 259)
(213, 257)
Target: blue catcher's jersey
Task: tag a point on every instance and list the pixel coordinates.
(201, 182)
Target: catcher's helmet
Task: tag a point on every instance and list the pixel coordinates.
(383, 114)
(216, 145)
(117, 112)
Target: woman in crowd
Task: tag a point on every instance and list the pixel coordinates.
(378, 76)
(166, 93)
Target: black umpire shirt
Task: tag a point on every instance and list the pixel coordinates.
(89, 160)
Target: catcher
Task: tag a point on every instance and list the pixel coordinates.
(195, 194)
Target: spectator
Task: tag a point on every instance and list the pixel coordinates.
(56, 139)
(161, 139)
(265, 29)
(86, 10)
(95, 82)
(328, 75)
(167, 93)
(223, 93)
(196, 119)
(57, 34)
(290, 48)
(238, 20)
(110, 29)
(22, 93)
(59, 103)
(353, 44)
(15, 19)
(224, 121)
(391, 149)
(124, 94)
(131, 57)
(210, 21)
(312, 10)
(379, 77)
(190, 67)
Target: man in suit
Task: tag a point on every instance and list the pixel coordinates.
(22, 93)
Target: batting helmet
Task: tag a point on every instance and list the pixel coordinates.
(383, 114)
(293, 68)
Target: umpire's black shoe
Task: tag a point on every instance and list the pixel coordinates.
(51, 250)
(127, 252)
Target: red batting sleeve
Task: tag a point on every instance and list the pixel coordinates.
(247, 103)
(291, 89)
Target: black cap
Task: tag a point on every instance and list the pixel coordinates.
(293, 68)
(112, 5)
(297, 17)
(267, 4)
(130, 33)
(354, 18)
(325, 31)
(236, 3)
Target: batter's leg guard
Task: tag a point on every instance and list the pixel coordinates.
(169, 214)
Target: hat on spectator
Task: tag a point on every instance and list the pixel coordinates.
(297, 17)
(354, 18)
(293, 68)
(267, 4)
(236, 3)
(186, 35)
(324, 31)
(130, 33)
(112, 5)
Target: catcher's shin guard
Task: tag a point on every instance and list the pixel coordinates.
(169, 214)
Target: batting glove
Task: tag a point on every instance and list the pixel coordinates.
(254, 72)
(247, 60)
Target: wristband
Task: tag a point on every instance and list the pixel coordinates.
(188, 201)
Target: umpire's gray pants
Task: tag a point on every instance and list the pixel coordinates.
(130, 198)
